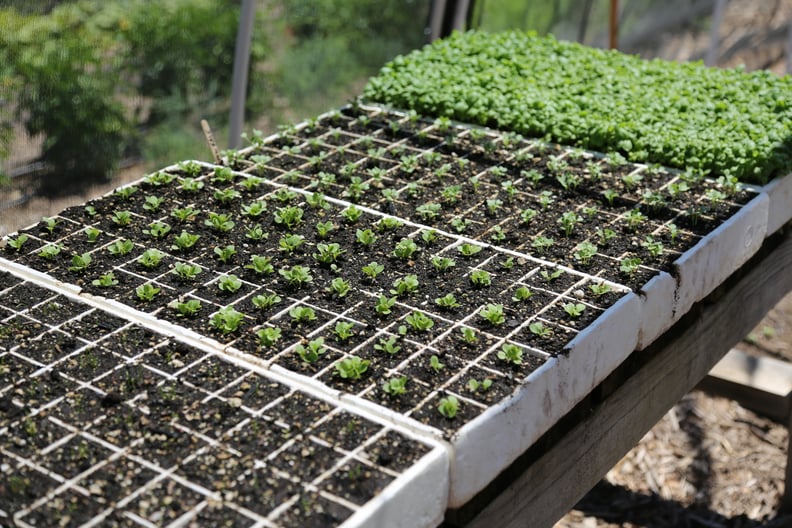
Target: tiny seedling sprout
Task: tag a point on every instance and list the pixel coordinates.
(448, 407)
(311, 352)
(474, 385)
(389, 345)
(264, 301)
(395, 387)
(419, 321)
(146, 291)
(229, 283)
(302, 314)
(351, 368)
(511, 353)
(574, 310)
(434, 363)
(448, 301)
(227, 320)
(493, 314)
(268, 336)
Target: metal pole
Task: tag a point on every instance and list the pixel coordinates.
(461, 14)
(436, 19)
(584, 19)
(241, 64)
(789, 49)
(717, 16)
(614, 24)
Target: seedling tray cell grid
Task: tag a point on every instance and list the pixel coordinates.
(360, 320)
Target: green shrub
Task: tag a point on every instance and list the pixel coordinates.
(66, 90)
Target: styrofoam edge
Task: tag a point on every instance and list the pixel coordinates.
(657, 310)
(716, 256)
(39, 278)
(488, 444)
(397, 419)
(416, 499)
(779, 192)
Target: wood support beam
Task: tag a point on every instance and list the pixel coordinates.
(547, 481)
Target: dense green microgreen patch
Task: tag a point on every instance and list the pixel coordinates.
(678, 114)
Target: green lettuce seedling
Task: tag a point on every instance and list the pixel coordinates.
(188, 308)
(351, 368)
(297, 275)
(120, 248)
(419, 321)
(474, 385)
(389, 346)
(372, 269)
(105, 281)
(448, 407)
(343, 330)
(448, 301)
(227, 320)
(268, 336)
(511, 353)
(339, 287)
(18, 242)
(395, 387)
(493, 314)
(80, 262)
(229, 283)
(266, 301)
(311, 352)
(146, 292)
(157, 229)
(186, 271)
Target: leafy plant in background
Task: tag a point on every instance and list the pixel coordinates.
(727, 121)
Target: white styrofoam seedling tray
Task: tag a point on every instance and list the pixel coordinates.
(719, 254)
(417, 498)
(457, 469)
(657, 308)
(493, 440)
(779, 210)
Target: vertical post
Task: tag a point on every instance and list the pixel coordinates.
(717, 17)
(247, 15)
(786, 498)
(789, 49)
(461, 15)
(614, 24)
(584, 20)
(436, 19)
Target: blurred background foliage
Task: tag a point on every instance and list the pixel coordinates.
(87, 84)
